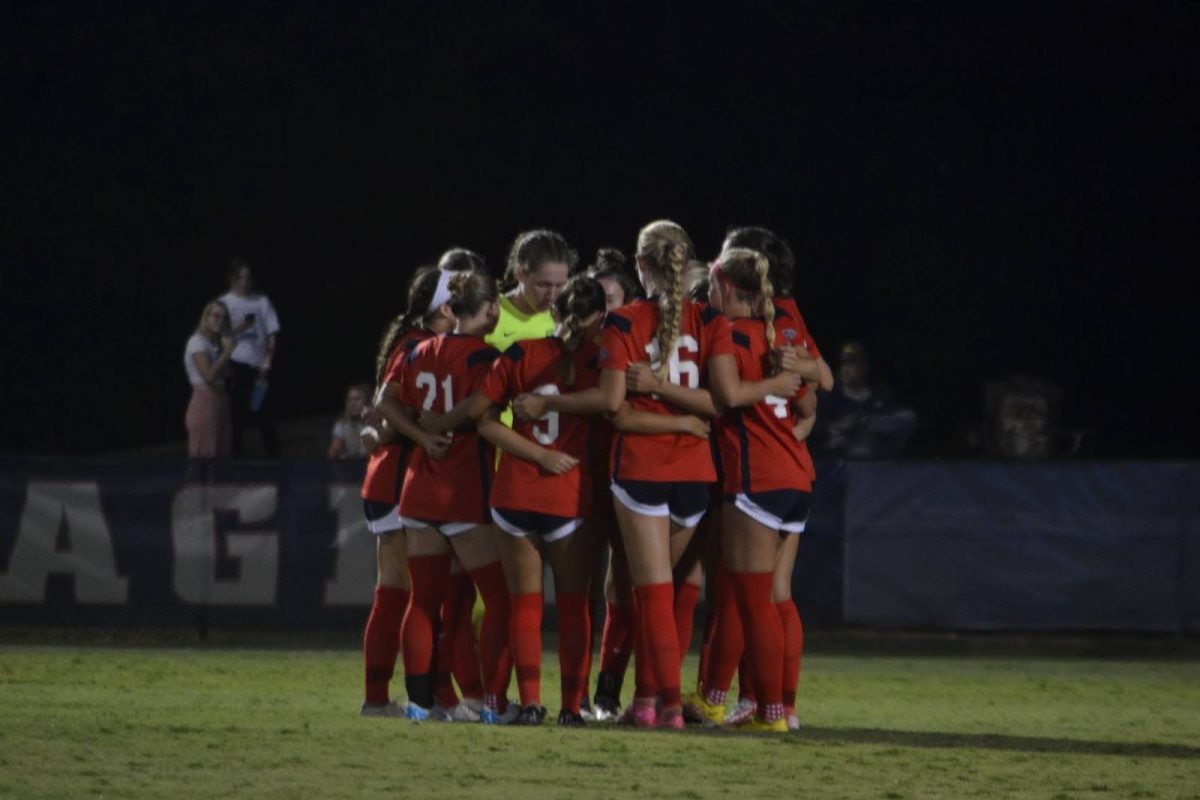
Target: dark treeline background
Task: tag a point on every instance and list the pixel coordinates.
(972, 189)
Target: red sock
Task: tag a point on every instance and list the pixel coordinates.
(574, 633)
(615, 643)
(656, 618)
(495, 658)
(710, 625)
(381, 641)
(443, 691)
(525, 641)
(465, 653)
(745, 670)
(728, 643)
(428, 575)
(686, 596)
(764, 639)
(793, 649)
(645, 685)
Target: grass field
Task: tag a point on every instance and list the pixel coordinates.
(183, 722)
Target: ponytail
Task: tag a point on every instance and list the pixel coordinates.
(582, 297)
(421, 292)
(666, 250)
(749, 272)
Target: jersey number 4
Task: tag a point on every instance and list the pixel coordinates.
(680, 373)
(428, 382)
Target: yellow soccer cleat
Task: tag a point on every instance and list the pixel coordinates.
(698, 710)
(757, 725)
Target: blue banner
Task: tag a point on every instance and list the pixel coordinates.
(1065, 546)
(961, 546)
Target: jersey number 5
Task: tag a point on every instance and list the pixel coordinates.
(680, 373)
(546, 436)
(428, 382)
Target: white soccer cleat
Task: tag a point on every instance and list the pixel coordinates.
(742, 713)
(466, 711)
(489, 717)
(441, 713)
(388, 709)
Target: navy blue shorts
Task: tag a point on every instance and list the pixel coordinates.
(547, 526)
(381, 517)
(685, 502)
(785, 510)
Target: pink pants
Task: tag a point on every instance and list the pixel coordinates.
(208, 423)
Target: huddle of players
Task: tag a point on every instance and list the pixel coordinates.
(634, 421)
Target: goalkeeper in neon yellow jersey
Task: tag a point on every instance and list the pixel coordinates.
(538, 265)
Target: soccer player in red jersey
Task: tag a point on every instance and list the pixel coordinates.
(542, 496)
(443, 504)
(427, 315)
(767, 475)
(791, 324)
(660, 480)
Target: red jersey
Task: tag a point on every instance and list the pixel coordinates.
(385, 470)
(533, 366)
(629, 337)
(758, 451)
(442, 372)
(791, 328)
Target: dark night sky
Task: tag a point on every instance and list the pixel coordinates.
(972, 190)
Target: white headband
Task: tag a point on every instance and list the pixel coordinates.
(441, 295)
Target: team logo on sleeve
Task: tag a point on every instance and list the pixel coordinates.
(603, 354)
(789, 334)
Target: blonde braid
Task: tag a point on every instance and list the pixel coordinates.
(763, 267)
(670, 305)
(667, 249)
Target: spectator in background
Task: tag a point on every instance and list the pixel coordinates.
(206, 361)
(256, 327)
(346, 440)
(859, 419)
(1023, 420)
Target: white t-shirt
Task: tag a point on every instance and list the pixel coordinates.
(351, 434)
(251, 347)
(198, 344)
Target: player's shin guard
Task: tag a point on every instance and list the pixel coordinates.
(381, 641)
(686, 597)
(525, 641)
(656, 618)
(495, 658)
(764, 639)
(574, 634)
(793, 649)
(418, 633)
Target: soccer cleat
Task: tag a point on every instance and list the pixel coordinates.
(585, 709)
(670, 719)
(606, 708)
(699, 711)
(569, 719)
(440, 713)
(641, 713)
(489, 716)
(415, 712)
(793, 722)
(388, 709)
(756, 725)
(530, 715)
(743, 712)
(467, 710)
